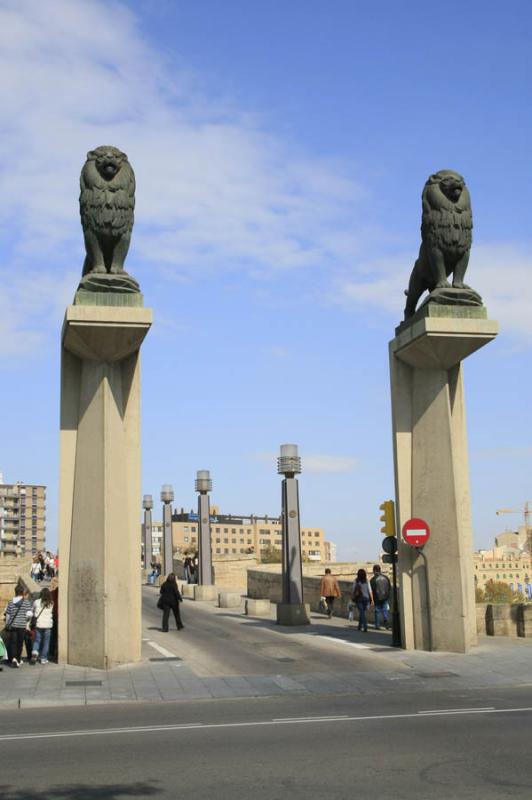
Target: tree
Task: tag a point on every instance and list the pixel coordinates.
(498, 592)
(270, 555)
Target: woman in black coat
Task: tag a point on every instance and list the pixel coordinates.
(169, 601)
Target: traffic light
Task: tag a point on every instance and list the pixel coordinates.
(388, 517)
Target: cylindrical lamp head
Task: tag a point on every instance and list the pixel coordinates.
(288, 463)
(167, 493)
(203, 481)
(147, 502)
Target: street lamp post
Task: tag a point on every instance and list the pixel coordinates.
(147, 505)
(203, 487)
(167, 496)
(292, 610)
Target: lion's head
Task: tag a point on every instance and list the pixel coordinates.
(108, 161)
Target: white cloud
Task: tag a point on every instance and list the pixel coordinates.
(500, 272)
(317, 463)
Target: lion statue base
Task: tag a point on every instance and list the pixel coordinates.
(108, 282)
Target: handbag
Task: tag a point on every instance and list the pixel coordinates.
(323, 604)
(33, 620)
(160, 603)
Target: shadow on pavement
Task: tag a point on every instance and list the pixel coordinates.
(78, 791)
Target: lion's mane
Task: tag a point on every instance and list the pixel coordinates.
(106, 205)
(446, 224)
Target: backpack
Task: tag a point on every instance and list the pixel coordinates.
(382, 588)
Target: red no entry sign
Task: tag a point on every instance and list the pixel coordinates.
(416, 532)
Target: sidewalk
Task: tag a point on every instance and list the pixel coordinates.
(164, 676)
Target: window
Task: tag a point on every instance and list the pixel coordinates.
(233, 541)
(250, 541)
(193, 529)
(233, 550)
(217, 541)
(185, 538)
(217, 530)
(226, 549)
(233, 530)
(226, 530)
(186, 528)
(226, 541)
(218, 549)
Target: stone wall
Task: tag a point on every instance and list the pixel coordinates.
(493, 619)
(11, 569)
(265, 582)
(229, 571)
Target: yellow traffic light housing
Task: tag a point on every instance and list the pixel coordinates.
(388, 517)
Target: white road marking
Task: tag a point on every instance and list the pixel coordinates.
(342, 641)
(162, 650)
(309, 719)
(457, 710)
(259, 723)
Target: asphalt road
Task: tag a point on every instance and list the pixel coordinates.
(472, 745)
(216, 642)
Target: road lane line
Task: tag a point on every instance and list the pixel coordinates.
(309, 719)
(256, 724)
(162, 650)
(457, 710)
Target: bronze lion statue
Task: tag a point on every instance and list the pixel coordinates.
(106, 204)
(446, 226)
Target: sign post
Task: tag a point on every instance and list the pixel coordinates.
(416, 533)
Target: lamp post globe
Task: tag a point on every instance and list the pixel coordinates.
(167, 493)
(203, 481)
(147, 502)
(289, 462)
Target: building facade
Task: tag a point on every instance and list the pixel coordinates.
(232, 535)
(506, 564)
(22, 517)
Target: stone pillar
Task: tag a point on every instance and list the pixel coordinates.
(292, 610)
(203, 486)
(99, 543)
(437, 593)
(147, 504)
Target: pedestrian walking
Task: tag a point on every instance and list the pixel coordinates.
(330, 590)
(36, 569)
(16, 614)
(380, 589)
(43, 622)
(169, 600)
(187, 569)
(362, 598)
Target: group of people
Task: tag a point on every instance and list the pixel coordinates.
(30, 624)
(190, 568)
(44, 566)
(376, 592)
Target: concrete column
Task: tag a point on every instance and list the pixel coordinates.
(99, 598)
(292, 610)
(168, 549)
(437, 595)
(292, 569)
(204, 541)
(148, 541)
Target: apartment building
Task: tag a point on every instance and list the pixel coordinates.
(507, 564)
(22, 517)
(240, 534)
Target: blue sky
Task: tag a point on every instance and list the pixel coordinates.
(280, 150)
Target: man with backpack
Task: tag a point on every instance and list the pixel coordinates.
(380, 588)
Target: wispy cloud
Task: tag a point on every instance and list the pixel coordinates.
(315, 463)
(500, 272)
(216, 190)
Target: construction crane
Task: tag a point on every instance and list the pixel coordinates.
(525, 511)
